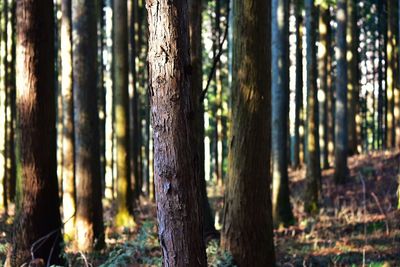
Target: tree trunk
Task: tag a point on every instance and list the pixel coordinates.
(282, 211)
(299, 85)
(323, 57)
(68, 177)
(121, 102)
(352, 73)
(195, 22)
(134, 120)
(247, 227)
(176, 164)
(313, 170)
(89, 210)
(390, 79)
(39, 214)
(341, 133)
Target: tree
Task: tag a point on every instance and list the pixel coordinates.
(313, 170)
(68, 173)
(196, 83)
(121, 101)
(176, 165)
(282, 211)
(299, 84)
(390, 77)
(39, 215)
(352, 74)
(247, 227)
(323, 67)
(341, 134)
(89, 210)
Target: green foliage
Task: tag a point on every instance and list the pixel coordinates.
(136, 251)
(216, 257)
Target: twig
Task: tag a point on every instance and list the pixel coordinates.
(216, 58)
(382, 212)
(52, 249)
(84, 259)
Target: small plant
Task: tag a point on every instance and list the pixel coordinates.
(217, 257)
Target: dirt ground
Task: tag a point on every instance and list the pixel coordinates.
(358, 224)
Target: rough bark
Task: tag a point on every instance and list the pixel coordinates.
(89, 210)
(313, 170)
(121, 102)
(195, 21)
(341, 133)
(68, 175)
(176, 164)
(281, 207)
(247, 226)
(39, 214)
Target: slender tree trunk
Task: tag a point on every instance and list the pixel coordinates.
(352, 73)
(134, 120)
(68, 177)
(121, 100)
(323, 57)
(89, 210)
(341, 133)
(195, 10)
(282, 211)
(390, 79)
(11, 95)
(39, 214)
(247, 227)
(176, 163)
(313, 170)
(299, 84)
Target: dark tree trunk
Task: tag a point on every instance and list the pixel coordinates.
(247, 227)
(352, 73)
(39, 214)
(313, 170)
(121, 102)
(134, 120)
(195, 21)
(341, 133)
(323, 57)
(89, 210)
(176, 164)
(299, 85)
(281, 207)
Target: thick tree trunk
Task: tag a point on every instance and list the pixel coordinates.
(299, 85)
(323, 57)
(195, 21)
(341, 133)
(352, 73)
(176, 164)
(313, 169)
(68, 175)
(247, 227)
(89, 210)
(282, 211)
(39, 214)
(121, 102)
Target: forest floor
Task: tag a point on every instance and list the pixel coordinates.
(358, 224)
